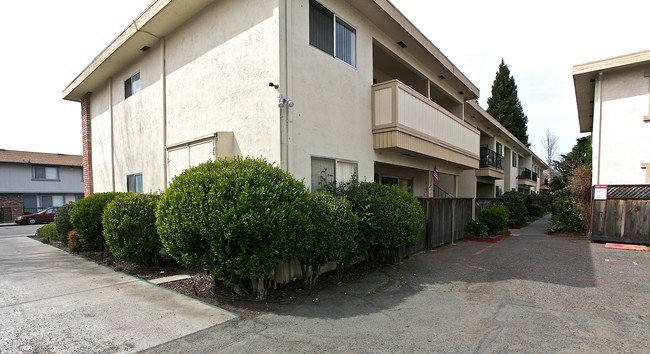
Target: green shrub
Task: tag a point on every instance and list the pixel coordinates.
(518, 215)
(86, 218)
(335, 230)
(535, 210)
(63, 223)
(47, 232)
(476, 228)
(567, 216)
(237, 216)
(543, 200)
(360, 199)
(513, 197)
(398, 216)
(130, 228)
(495, 217)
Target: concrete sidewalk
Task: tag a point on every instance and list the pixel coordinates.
(55, 302)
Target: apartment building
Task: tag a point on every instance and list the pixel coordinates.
(326, 89)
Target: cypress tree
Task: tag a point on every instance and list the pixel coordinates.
(504, 105)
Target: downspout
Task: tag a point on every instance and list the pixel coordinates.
(164, 110)
(110, 104)
(599, 97)
(285, 126)
(287, 83)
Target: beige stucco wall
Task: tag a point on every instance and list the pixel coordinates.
(214, 78)
(218, 69)
(620, 144)
(332, 112)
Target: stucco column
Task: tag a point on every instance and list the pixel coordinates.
(86, 138)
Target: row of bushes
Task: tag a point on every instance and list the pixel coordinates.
(514, 209)
(240, 217)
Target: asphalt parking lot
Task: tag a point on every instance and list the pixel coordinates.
(528, 293)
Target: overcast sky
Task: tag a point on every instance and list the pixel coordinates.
(48, 43)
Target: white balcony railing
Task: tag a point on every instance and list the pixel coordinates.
(397, 107)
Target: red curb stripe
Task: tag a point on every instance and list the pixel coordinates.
(484, 249)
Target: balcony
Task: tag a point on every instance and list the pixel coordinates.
(527, 178)
(405, 121)
(490, 164)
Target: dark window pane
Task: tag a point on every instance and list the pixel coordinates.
(345, 43)
(39, 172)
(127, 88)
(321, 27)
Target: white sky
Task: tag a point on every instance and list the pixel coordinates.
(48, 43)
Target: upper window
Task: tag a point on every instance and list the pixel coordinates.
(514, 159)
(134, 183)
(132, 85)
(45, 173)
(499, 148)
(331, 34)
(329, 171)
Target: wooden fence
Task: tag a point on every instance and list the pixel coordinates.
(624, 216)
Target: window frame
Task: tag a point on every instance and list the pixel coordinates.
(35, 178)
(317, 185)
(336, 22)
(132, 187)
(132, 85)
(515, 157)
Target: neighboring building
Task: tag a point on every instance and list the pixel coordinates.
(32, 181)
(325, 89)
(613, 97)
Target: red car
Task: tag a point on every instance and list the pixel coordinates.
(45, 216)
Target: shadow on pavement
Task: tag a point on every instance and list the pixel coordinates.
(528, 254)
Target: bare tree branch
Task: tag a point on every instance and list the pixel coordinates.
(550, 148)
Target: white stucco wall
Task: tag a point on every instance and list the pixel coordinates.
(621, 140)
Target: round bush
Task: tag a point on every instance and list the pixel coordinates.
(86, 218)
(48, 232)
(495, 217)
(130, 228)
(535, 210)
(513, 197)
(335, 229)
(567, 216)
(397, 215)
(63, 223)
(518, 214)
(236, 216)
(476, 228)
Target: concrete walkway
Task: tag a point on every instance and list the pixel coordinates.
(55, 302)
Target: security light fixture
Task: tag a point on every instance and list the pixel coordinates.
(145, 48)
(276, 86)
(441, 77)
(402, 44)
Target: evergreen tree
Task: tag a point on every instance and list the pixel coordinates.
(504, 104)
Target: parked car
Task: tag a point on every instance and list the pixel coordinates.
(45, 216)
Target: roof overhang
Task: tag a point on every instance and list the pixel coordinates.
(157, 21)
(584, 82)
(387, 17)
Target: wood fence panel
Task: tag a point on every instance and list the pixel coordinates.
(441, 222)
(462, 215)
(625, 217)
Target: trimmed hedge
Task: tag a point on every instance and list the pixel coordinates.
(130, 228)
(518, 215)
(397, 214)
(63, 223)
(48, 232)
(237, 216)
(86, 218)
(335, 229)
(495, 218)
(476, 228)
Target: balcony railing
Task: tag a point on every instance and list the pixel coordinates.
(527, 174)
(490, 158)
(405, 119)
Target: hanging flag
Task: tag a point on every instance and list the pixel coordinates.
(435, 173)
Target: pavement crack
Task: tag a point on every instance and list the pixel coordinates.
(488, 339)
